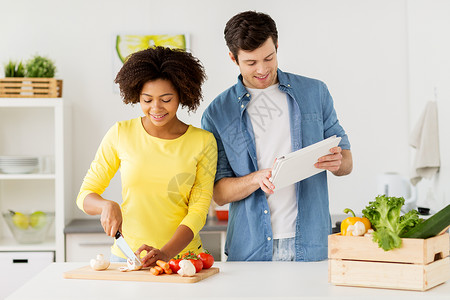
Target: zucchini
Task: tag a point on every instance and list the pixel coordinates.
(431, 227)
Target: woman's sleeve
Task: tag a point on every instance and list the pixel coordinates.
(103, 167)
(202, 190)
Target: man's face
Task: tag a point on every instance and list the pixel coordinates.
(258, 67)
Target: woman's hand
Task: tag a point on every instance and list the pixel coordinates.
(153, 254)
(111, 218)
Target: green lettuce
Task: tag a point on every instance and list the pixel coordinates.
(388, 224)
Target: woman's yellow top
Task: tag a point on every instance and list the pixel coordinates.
(165, 183)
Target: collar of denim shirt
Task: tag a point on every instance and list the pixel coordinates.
(243, 95)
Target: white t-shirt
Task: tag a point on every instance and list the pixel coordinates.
(269, 114)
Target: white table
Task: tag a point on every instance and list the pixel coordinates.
(236, 280)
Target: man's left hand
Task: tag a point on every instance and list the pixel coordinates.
(331, 162)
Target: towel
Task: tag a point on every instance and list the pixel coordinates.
(425, 139)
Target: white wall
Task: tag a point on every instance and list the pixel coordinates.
(359, 48)
(429, 80)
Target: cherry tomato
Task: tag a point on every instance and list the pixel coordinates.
(207, 259)
(187, 255)
(175, 264)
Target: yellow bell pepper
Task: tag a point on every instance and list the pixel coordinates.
(350, 227)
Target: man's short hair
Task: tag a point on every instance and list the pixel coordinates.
(248, 31)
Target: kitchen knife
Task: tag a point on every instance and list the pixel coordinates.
(123, 246)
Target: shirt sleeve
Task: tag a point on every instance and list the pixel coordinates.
(202, 190)
(223, 166)
(330, 120)
(103, 167)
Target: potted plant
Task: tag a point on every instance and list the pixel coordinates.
(40, 67)
(14, 69)
(37, 79)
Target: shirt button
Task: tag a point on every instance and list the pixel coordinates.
(248, 95)
(289, 85)
(242, 106)
(239, 98)
(265, 211)
(268, 238)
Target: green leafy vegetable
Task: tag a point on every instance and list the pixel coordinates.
(384, 215)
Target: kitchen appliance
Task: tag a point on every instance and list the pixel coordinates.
(396, 185)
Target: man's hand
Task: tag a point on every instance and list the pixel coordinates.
(339, 162)
(331, 162)
(261, 178)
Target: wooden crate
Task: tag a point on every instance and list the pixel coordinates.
(27, 87)
(419, 264)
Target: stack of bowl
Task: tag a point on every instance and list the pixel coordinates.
(18, 164)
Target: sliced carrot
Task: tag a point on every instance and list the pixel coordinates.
(163, 264)
(154, 271)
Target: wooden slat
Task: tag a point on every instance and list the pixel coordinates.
(30, 87)
(389, 275)
(415, 251)
(113, 273)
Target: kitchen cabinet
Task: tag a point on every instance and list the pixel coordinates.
(36, 127)
(19, 267)
(82, 247)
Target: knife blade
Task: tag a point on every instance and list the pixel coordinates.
(126, 250)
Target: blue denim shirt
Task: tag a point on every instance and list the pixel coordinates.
(312, 119)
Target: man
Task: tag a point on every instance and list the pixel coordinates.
(269, 113)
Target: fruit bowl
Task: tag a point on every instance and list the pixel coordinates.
(29, 228)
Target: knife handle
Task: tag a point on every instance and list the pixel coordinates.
(118, 235)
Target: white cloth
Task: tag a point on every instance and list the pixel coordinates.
(425, 138)
(269, 114)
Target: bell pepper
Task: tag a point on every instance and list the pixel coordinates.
(350, 226)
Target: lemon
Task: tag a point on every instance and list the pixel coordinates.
(128, 44)
(20, 220)
(38, 219)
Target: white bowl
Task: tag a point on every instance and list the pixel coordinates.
(17, 169)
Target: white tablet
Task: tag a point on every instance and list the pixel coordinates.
(298, 165)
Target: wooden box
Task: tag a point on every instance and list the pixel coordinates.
(27, 87)
(419, 264)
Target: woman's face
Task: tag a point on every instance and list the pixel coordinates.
(159, 102)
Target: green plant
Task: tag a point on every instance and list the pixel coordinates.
(40, 66)
(13, 69)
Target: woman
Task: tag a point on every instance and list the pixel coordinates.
(167, 167)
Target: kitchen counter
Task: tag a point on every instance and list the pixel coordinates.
(236, 280)
(94, 226)
(83, 235)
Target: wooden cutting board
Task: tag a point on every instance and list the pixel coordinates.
(113, 273)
